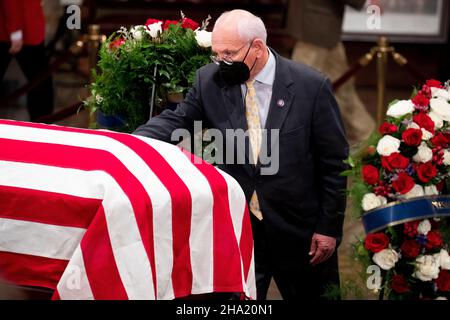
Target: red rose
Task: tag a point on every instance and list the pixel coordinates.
(167, 23)
(426, 91)
(403, 184)
(387, 128)
(424, 121)
(116, 44)
(443, 281)
(411, 228)
(412, 137)
(375, 242)
(420, 100)
(189, 24)
(439, 140)
(394, 161)
(410, 249)
(434, 83)
(426, 171)
(434, 240)
(399, 284)
(370, 174)
(152, 21)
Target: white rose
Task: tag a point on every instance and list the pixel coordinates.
(441, 107)
(387, 145)
(137, 32)
(412, 125)
(427, 268)
(431, 190)
(426, 135)
(446, 158)
(386, 258)
(416, 191)
(444, 259)
(154, 29)
(400, 108)
(437, 119)
(203, 38)
(440, 93)
(424, 227)
(371, 201)
(424, 154)
(99, 99)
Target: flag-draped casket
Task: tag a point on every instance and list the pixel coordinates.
(95, 214)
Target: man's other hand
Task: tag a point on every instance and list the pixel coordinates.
(322, 247)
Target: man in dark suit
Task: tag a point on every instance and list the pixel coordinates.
(296, 212)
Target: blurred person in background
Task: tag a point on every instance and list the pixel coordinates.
(317, 26)
(22, 35)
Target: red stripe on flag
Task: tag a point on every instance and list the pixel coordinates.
(47, 207)
(227, 262)
(56, 295)
(28, 270)
(99, 262)
(246, 242)
(181, 210)
(75, 157)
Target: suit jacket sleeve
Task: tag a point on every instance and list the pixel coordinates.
(331, 149)
(357, 4)
(162, 126)
(14, 15)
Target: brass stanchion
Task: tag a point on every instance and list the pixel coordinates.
(381, 51)
(382, 55)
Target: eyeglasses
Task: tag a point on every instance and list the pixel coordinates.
(227, 56)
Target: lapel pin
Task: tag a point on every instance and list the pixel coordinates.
(280, 103)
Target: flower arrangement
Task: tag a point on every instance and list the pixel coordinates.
(164, 53)
(396, 175)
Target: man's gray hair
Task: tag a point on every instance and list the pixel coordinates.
(248, 25)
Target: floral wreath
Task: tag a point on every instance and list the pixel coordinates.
(398, 189)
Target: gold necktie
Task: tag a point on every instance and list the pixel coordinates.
(254, 129)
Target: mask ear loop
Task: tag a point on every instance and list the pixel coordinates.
(248, 50)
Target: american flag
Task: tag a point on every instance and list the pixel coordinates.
(95, 214)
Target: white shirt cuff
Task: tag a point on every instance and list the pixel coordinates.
(16, 35)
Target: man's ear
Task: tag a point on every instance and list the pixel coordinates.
(260, 47)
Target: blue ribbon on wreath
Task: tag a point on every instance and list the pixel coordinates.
(399, 212)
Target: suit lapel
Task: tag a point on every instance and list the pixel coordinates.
(280, 104)
(233, 100)
(282, 97)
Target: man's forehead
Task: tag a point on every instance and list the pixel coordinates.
(225, 40)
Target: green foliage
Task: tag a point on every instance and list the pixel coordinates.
(349, 289)
(123, 86)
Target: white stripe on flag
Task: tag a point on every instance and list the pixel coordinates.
(51, 179)
(39, 239)
(201, 222)
(251, 280)
(74, 283)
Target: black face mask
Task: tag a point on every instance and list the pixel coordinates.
(236, 72)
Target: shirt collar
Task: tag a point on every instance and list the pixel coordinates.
(267, 74)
